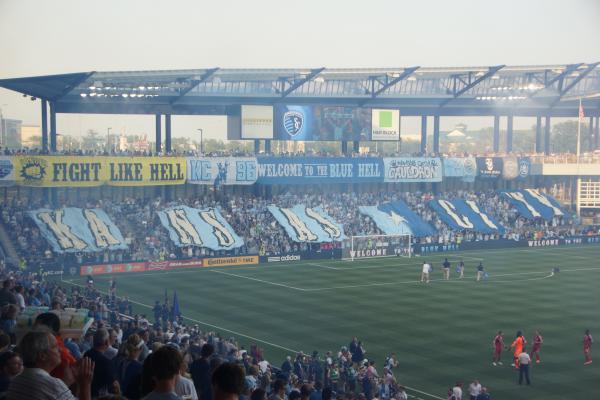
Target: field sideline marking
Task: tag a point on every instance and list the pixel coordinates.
(203, 323)
(425, 393)
(242, 335)
(258, 280)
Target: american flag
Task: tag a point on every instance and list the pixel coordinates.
(581, 113)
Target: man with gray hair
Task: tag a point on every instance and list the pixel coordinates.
(105, 377)
(41, 355)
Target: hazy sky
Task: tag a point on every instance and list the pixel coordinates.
(61, 36)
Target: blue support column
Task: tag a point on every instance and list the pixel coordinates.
(547, 136)
(52, 127)
(509, 134)
(44, 125)
(158, 133)
(356, 146)
(597, 136)
(538, 135)
(167, 133)
(436, 134)
(344, 148)
(496, 137)
(424, 134)
(257, 145)
(591, 135)
(267, 146)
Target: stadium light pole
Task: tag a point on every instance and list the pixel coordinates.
(108, 139)
(3, 134)
(201, 144)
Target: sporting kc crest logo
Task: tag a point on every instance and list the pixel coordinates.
(293, 122)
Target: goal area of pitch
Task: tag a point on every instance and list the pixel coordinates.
(374, 246)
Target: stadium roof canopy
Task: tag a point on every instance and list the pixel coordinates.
(542, 90)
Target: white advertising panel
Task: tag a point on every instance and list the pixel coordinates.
(385, 124)
(257, 122)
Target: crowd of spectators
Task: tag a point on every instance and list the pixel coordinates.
(559, 158)
(249, 217)
(130, 356)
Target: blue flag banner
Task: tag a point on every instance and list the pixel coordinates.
(450, 215)
(412, 169)
(398, 211)
(176, 310)
(304, 224)
(222, 170)
(73, 230)
(390, 223)
(206, 227)
(524, 208)
(463, 167)
(482, 222)
(547, 206)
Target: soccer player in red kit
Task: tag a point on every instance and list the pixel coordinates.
(537, 344)
(498, 344)
(587, 347)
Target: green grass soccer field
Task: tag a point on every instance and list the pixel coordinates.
(442, 331)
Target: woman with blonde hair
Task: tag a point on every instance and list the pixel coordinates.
(130, 372)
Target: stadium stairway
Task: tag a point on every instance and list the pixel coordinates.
(8, 247)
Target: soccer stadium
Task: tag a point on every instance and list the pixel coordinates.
(318, 250)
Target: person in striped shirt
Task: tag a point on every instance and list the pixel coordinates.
(41, 354)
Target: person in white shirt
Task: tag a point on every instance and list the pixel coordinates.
(41, 355)
(19, 290)
(457, 391)
(524, 361)
(474, 389)
(425, 272)
(184, 387)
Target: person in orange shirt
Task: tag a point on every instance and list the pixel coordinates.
(64, 370)
(518, 344)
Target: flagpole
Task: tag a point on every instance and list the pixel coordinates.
(579, 131)
(578, 200)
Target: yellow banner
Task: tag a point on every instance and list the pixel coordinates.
(57, 171)
(79, 171)
(224, 261)
(146, 171)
